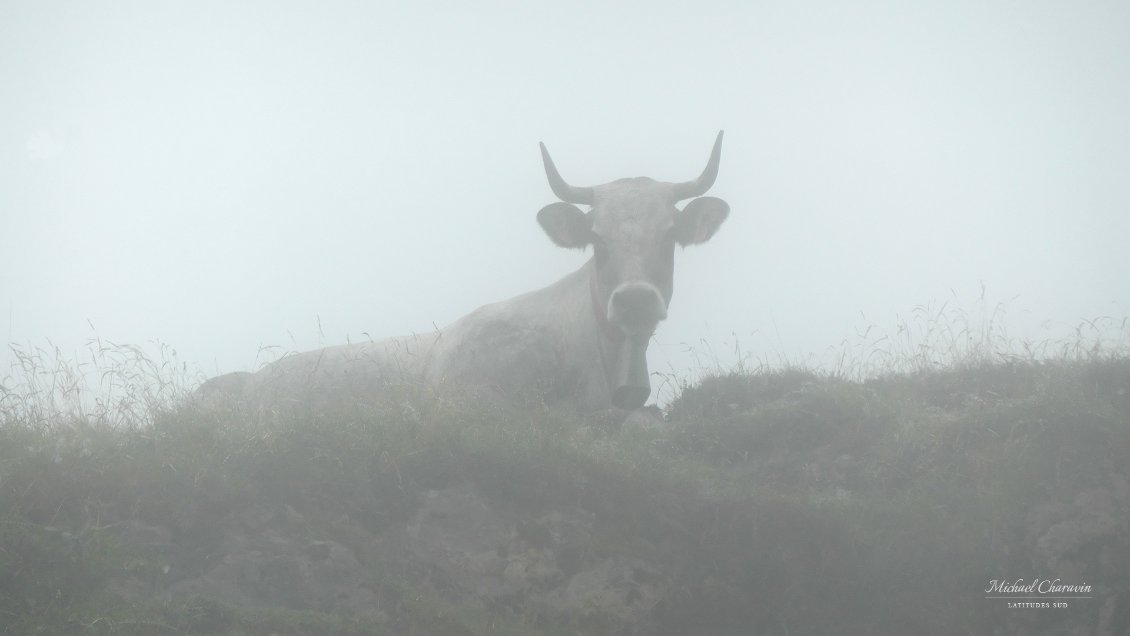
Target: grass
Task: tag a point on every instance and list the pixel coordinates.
(781, 500)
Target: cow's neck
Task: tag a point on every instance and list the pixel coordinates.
(576, 313)
(608, 331)
(623, 359)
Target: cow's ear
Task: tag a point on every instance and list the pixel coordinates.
(699, 220)
(566, 225)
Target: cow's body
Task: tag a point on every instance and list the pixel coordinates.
(582, 339)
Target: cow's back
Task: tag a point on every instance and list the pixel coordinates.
(322, 378)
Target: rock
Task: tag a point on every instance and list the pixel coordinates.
(622, 589)
(483, 552)
(267, 561)
(645, 419)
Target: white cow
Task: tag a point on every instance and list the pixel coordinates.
(582, 339)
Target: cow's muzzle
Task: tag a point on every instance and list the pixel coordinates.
(636, 307)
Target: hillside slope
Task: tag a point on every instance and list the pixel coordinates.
(780, 502)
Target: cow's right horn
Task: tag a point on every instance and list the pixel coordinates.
(564, 191)
(699, 186)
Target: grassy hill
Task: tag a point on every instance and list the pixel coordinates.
(775, 501)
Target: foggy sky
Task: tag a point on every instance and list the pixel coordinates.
(222, 176)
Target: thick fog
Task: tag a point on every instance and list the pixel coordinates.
(224, 176)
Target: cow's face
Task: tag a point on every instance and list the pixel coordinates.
(632, 227)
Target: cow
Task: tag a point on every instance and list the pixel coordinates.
(582, 339)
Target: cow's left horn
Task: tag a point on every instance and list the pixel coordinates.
(699, 186)
(564, 191)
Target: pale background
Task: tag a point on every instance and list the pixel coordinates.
(222, 176)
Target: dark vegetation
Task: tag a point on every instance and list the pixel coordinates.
(775, 501)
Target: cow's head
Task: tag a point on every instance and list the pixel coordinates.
(633, 227)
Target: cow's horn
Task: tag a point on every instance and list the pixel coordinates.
(564, 191)
(699, 186)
